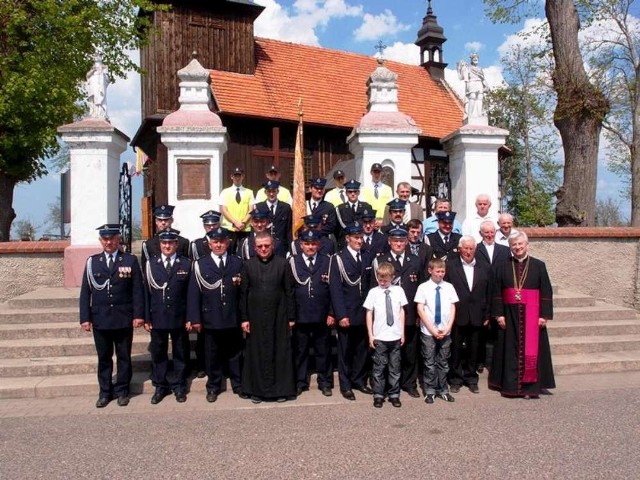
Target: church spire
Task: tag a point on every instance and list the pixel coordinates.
(430, 40)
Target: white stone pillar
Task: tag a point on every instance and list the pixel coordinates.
(95, 147)
(473, 166)
(201, 148)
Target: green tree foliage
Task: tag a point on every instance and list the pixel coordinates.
(524, 106)
(46, 49)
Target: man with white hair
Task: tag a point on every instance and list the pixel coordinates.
(488, 250)
(505, 222)
(471, 224)
(522, 305)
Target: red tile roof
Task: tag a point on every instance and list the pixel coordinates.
(332, 85)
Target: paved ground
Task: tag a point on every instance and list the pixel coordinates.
(590, 428)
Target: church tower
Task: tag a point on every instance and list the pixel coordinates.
(430, 40)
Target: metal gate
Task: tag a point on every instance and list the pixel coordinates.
(125, 207)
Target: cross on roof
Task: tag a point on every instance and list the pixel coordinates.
(380, 48)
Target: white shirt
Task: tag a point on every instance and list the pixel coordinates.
(467, 268)
(376, 302)
(216, 258)
(426, 295)
(490, 249)
(471, 225)
(354, 253)
(502, 239)
(171, 259)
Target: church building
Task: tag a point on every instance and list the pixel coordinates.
(257, 84)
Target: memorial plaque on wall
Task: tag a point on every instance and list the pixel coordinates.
(193, 179)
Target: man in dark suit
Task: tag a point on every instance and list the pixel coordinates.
(492, 254)
(213, 308)
(416, 245)
(488, 250)
(163, 217)
(472, 282)
(350, 211)
(396, 214)
(408, 275)
(280, 217)
(167, 280)
(200, 248)
(313, 304)
(349, 285)
(318, 207)
(444, 242)
(373, 242)
(112, 304)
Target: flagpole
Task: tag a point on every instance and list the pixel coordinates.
(299, 208)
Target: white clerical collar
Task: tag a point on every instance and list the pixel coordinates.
(520, 259)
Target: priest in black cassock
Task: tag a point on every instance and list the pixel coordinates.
(522, 305)
(267, 310)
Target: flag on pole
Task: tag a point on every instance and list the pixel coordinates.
(141, 159)
(299, 209)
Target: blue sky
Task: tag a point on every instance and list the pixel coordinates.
(352, 25)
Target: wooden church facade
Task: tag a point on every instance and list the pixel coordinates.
(257, 83)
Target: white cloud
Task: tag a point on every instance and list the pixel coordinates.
(403, 52)
(300, 23)
(123, 101)
(532, 35)
(375, 27)
(474, 47)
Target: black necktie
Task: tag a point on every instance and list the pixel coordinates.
(110, 263)
(358, 260)
(238, 198)
(314, 205)
(399, 260)
(446, 239)
(273, 209)
(353, 207)
(167, 266)
(311, 262)
(221, 263)
(342, 196)
(389, 307)
(369, 240)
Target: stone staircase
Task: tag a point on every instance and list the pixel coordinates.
(44, 353)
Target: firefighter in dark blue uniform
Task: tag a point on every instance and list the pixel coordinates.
(349, 284)
(163, 217)
(112, 304)
(213, 308)
(373, 242)
(313, 303)
(167, 280)
(325, 246)
(259, 223)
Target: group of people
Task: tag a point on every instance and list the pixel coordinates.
(415, 303)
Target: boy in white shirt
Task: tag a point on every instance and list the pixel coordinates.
(385, 324)
(436, 301)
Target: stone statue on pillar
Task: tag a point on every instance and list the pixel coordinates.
(98, 80)
(475, 87)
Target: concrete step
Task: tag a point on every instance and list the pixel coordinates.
(52, 297)
(71, 365)
(596, 362)
(592, 344)
(60, 330)
(20, 316)
(568, 299)
(601, 312)
(55, 347)
(80, 385)
(581, 329)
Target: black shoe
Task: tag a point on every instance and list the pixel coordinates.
(413, 392)
(472, 388)
(102, 402)
(447, 397)
(256, 400)
(348, 394)
(301, 389)
(429, 398)
(454, 388)
(181, 397)
(123, 400)
(377, 402)
(364, 389)
(201, 374)
(281, 399)
(243, 395)
(157, 397)
(212, 397)
(326, 391)
(395, 402)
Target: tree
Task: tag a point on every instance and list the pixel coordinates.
(25, 230)
(523, 106)
(46, 49)
(580, 108)
(611, 46)
(608, 214)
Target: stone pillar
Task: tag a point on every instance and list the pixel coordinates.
(196, 142)
(383, 135)
(95, 147)
(473, 166)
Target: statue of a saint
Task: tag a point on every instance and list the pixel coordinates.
(475, 86)
(97, 82)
